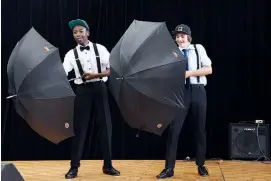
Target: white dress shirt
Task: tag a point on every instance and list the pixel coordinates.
(204, 60)
(88, 61)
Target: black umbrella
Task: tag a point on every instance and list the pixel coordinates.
(147, 76)
(41, 92)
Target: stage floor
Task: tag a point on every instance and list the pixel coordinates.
(145, 170)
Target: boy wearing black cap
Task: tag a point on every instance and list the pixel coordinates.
(90, 62)
(198, 66)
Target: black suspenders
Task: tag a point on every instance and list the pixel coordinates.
(80, 66)
(97, 58)
(198, 64)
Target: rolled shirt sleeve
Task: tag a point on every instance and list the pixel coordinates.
(205, 60)
(67, 63)
(106, 57)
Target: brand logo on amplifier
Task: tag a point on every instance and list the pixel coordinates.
(249, 129)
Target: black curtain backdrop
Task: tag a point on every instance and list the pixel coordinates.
(234, 33)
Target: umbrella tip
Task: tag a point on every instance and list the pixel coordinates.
(139, 129)
(137, 135)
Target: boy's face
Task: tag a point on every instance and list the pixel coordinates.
(80, 34)
(182, 40)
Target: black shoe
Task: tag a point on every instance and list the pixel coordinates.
(111, 171)
(169, 172)
(72, 173)
(202, 171)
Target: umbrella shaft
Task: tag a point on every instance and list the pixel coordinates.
(74, 79)
(11, 96)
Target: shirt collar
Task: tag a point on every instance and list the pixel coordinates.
(189, 47)
(88, 44)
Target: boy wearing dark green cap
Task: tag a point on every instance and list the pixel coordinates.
(90, 62)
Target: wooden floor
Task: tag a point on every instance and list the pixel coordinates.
(145, 170)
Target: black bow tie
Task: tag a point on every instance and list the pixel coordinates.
(84, 48)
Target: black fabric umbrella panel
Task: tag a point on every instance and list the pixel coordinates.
(39, 88)
(147, 76)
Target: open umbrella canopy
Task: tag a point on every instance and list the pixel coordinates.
(147, 76)
(40, 90)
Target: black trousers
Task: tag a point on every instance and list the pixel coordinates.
(196, 103)
(91, 96)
